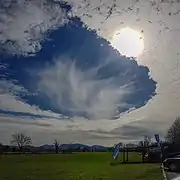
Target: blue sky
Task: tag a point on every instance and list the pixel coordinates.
(77, 73)
(59, 75)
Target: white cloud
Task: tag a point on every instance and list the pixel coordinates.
(45, 131)
(77, 91)
(10, 102)
(24, 24)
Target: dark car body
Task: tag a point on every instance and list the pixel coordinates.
(172, 164)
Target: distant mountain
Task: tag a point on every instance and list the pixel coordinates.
(99, 148)
(47, 146)
(76, 146)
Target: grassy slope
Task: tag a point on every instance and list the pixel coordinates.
(79, 166)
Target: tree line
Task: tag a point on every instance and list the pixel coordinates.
(21, 143)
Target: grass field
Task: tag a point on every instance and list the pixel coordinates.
(77, 166)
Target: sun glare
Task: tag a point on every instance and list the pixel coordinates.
(128, 42)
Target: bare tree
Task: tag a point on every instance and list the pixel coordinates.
(56, 144)
(144, 144)
(20, 140)
(173, 134)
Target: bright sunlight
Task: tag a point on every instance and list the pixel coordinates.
(128, 42)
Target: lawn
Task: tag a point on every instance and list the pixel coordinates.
(77, 166)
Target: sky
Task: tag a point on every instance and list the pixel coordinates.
(61, 78)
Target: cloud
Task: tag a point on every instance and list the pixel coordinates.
(133, 131)
(78, 93)
(12, 105)
(73, 75)
(79, 74)
(136, 130)
(43, 134)
(10, 120)
(24, 24)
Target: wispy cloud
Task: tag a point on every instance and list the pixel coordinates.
(82, 93)
(11, 120)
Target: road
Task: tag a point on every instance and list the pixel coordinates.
(171, 175)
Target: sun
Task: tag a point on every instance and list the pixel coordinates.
(128, 42)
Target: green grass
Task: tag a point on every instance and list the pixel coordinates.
(77, 166)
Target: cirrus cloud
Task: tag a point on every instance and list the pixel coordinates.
(79, 74)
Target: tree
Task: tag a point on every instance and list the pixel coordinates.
(173, 134)
(20, 140)
(56, 144)
(144, 144)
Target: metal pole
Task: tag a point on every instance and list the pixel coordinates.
(126, 153)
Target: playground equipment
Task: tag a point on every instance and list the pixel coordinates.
(123, 149)
(148, 152)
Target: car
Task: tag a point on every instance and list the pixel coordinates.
(172, 164)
